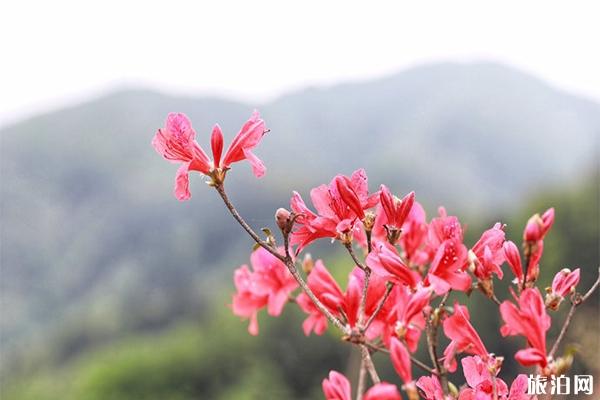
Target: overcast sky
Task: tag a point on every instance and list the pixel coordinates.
(60, 52)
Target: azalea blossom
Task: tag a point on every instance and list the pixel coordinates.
(463, 337)
(530, 320)
(392, 214)
(431, 388)
(513, 258)
(483, 385)
(537, 227)
(268, 284)
(385, 261)
(445, 241)
(447, 268)
(176, 142)
(564, 283)
(337, 387)
(405, 320)
(353, 298)
(340, 207)
(402, 364)
(247, 302)
(414, 236)
(488, 253)
(327, 291)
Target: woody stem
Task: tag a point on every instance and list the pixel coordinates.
(576, 300)
(432, 324)
(368, 363)
(287, 260)
(362, 380)
(388, 289)
(358, 263)
(414, 360)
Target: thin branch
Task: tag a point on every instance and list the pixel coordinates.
(354, 257)
(363, 299)
(432, 333)
(527, 260)
(576, 301)
(368, 362)
(221, 190)
(388, 290)
(362, 380)
(285, 259)
(414, 360)
(495, 299)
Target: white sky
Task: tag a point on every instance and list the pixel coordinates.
(59, 52)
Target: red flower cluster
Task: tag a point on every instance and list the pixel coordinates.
(400, 289)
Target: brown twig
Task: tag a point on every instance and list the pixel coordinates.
(291, 266)
(431, 325)
(576, 300)
(363, 299)
(362, 380)
(368, 362)
(388, 290)
(358, 263)
(414, 360)
(262, 243)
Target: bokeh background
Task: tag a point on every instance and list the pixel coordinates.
(112, 289)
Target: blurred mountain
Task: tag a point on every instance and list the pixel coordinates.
(91, 232)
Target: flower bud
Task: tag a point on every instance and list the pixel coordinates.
(308, 264)
(281, 217)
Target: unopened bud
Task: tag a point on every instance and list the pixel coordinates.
(281, 217)
(307, 264)
(411, 391)
(453, 390)
(486, 286)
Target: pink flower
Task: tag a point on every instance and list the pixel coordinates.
(513, 258)
(518, 389)
(450, 255)
(340, 206)
(431, 387)
(391, 215)
(446, 271)
(463, 337)
(382, 391)
(385, 261)
(530, 320)
(272, 278)
(481, 382)
(337, 387)
(327, 291)
(564, 283)
(414, 236)
(489, 254)
(375, 292)
(401, 361)
(406, 318)
(537, 227)
(246, 302)
(395, 210)
(443, 228)
(176, 142)
(269, 284)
